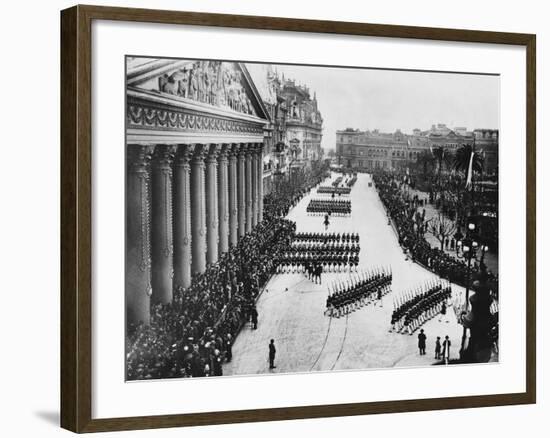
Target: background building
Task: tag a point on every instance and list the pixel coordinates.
(377, 150)
(292, 137)
(372, 149)
(304, 125)
(486, 141)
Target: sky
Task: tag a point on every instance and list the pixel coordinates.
(391, 99)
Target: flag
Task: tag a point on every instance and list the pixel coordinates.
(470, 169)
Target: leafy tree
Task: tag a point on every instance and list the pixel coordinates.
(462, 160)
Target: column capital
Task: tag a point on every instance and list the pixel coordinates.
(232, 149)
(225, 151)
(242, 150)
(213, 150)
(250, 149)
(199, 153)
(163, 156)
(139, 158)
(184, 154)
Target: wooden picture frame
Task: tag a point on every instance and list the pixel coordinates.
(76, 217)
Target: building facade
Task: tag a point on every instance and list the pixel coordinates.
(276, 148)
(304, 124)
(373, 150)
(486, 142)
(195, 133)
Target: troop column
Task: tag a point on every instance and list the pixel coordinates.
(138, 257)
(182, 216)
(260, 183)
(161, 224)
(232, 198)
(198, 208)
(223, 201)
(212, 204)
(241, 189)
(248, 187)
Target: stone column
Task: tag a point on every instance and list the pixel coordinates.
(198, 211)
(182, 216)
(161, 224)
(241, 189)
(223, 201)
(232, 196)
(212, 235)
(254, 185)
(260, 183)
(248, 187)
(138, 238)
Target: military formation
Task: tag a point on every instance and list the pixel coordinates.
(362, 289)
(334, 207)
(326, 237)
(334, 190)
(414, 308)
(324, 254)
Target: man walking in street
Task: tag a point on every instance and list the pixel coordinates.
(272, 352)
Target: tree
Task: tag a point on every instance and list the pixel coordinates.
(425, 160)
(439, 154)
(462, 160)
(441, 228)
(453, 193)
(462, 164)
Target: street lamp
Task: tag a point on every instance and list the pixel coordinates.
(470, 251)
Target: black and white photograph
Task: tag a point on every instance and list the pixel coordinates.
(289, 218)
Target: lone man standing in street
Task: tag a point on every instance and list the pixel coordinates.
(272, 352)
(422, 342)
(438, 348)
(446, 350)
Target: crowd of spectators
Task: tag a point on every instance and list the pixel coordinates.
(193, 334)
(286, 194)
(405, 218)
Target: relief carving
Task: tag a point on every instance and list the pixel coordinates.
(212, 82)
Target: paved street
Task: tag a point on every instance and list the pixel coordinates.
(291, 307)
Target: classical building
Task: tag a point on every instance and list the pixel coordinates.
(376, 150)
(373, 149)
(194, 185)
(304, 124)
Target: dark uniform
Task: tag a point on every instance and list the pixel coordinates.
(272, 352)
(422, 343)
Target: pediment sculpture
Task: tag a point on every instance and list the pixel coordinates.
(212, 82)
